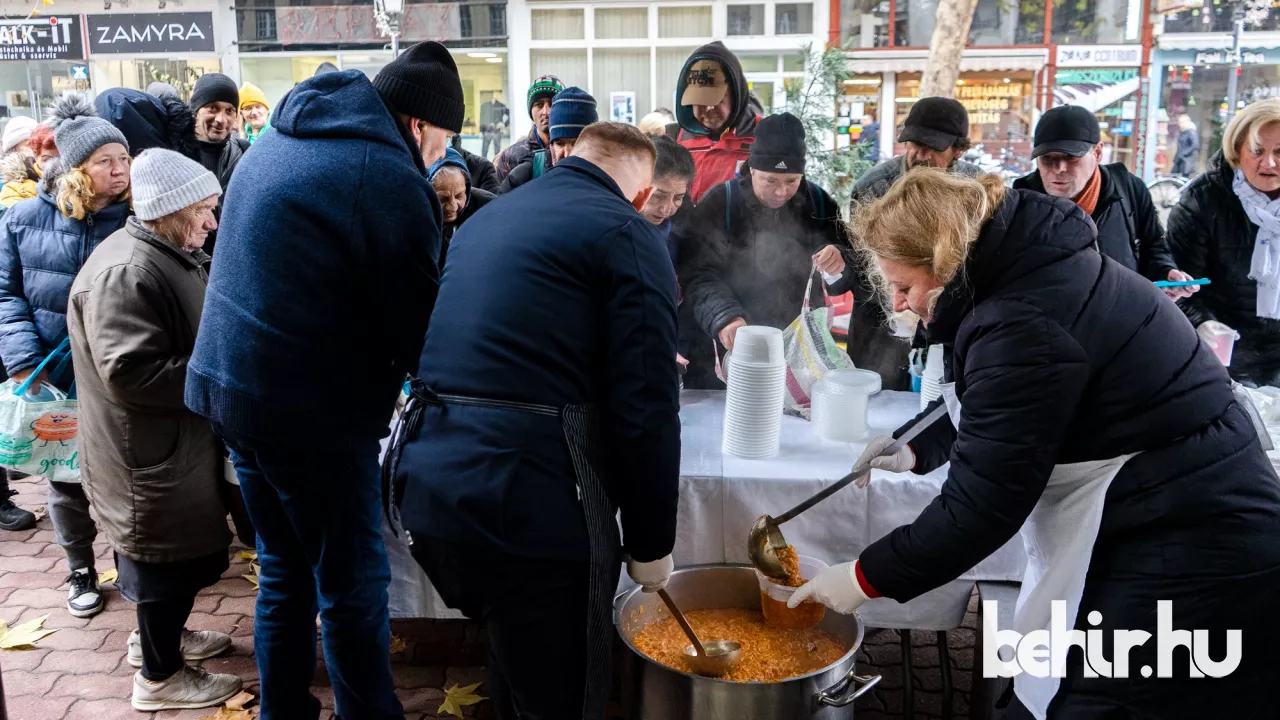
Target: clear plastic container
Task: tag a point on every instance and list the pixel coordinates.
(774, 597)
(1224, 342)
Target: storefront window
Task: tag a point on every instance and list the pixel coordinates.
(669, 63)
(1112, 94)
(864, 23)
(622, 71)
(277, 75)
(1000, 107)
(683, 22)
(1201, 94)
(759, 63)
(793, 19)
(30, 85)
(558, 24)
(622, 23)
(568, 65)
(138, 74)
(1096, 21)
(856, 108)
(746, 19)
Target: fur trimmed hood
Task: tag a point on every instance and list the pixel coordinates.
(15, 167)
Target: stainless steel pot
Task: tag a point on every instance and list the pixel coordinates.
(651, 691)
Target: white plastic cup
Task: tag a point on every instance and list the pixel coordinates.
(840, 400)
(1224, 342)
(758, 344)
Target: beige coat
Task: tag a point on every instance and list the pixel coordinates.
(151, 468)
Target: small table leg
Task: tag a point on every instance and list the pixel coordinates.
(908, 681)
(944, 660)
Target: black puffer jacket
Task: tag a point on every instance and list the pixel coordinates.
(1061, 356)
(1212, 237)
(1129, 229)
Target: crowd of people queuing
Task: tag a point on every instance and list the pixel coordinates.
(543, 307)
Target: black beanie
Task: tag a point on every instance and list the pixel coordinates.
(423, 83)
(779, 145)
(214, 87)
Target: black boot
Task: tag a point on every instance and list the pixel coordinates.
(12, 517)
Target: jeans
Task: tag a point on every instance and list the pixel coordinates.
(160, 626)
(72, 525)
(318, 513)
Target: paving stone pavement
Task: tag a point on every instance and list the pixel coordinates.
(79, 672)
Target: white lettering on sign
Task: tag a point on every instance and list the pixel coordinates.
(1099, 56)
(149, 33)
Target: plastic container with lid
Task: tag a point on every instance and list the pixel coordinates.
(840, 399)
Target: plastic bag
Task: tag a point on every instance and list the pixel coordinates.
(811, 352)
(39, 436)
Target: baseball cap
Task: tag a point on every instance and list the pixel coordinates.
(1068, 129)
(936, 122)
(705, 83)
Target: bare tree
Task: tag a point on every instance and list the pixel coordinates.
(950, 34)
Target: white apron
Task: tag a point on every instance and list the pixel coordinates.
(1058, 538)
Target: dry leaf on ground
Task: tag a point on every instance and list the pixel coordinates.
(252, 576)
(247, 555)
(239, 701)
(457, 697)
(108, 576)
(40, 513)
(24, 636)
(226, 713)
(397, 644)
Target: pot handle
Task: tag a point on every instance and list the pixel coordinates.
(835, 695)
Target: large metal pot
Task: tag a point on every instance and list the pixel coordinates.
(651, 691)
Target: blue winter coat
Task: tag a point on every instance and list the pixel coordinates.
(584, 311)
(326, 271)
(41, 250)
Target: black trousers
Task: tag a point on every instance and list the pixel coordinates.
(535, 612)
(160, 625)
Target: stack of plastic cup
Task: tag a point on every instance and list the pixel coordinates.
(757, 371)
(931, 381)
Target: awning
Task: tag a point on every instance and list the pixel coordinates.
(974, 60)
(1094, 96)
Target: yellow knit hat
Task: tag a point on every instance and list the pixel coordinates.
(251, 94)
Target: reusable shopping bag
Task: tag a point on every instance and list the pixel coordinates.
(39, 437)
(811, 352)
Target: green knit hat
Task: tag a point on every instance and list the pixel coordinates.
(546, 86)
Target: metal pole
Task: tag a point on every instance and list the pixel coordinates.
(1233, 80)
(395, 44)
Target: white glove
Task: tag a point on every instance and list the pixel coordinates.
(836, 587)
(1209, 329)
(902, 461)
(651, 576)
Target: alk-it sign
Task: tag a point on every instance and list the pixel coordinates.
(45, 38)
(150, 33)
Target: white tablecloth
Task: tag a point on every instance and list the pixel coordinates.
(720, 497)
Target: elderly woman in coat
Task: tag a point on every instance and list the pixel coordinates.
(153, 470)
(44, 242)
(1226, 227)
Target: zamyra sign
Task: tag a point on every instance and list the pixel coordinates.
(46, 38)
(150, 32)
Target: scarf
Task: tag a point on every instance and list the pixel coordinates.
(1088, 200)
(1265, 265)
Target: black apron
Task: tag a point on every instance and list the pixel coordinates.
(581, 427)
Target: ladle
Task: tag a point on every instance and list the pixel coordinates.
(712, 658)
(765, 539)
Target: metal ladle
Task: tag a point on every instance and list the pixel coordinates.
(765, 539)
(712, 658)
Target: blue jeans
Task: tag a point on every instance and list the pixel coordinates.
(318, 513)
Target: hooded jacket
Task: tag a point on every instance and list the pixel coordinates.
(1211, 236)
(41, 250)
(519, 151)
(19, 174)
(476, 198)
(327, 272)
(717, 156)
(1129, 230)
(148, 121)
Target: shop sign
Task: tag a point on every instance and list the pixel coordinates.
(985, 103)
(1223, 57)
(51, 38)
(1097, 77)
(1099, 56)
(356, 24)
(150, 32)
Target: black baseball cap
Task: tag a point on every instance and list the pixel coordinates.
(935, 121)
(1068, 129)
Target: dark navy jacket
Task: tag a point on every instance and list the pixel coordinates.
(41, 250)
(326, 271)
(584, 313)
(1060, 355)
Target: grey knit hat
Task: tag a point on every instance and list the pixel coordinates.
(78, 131)
(164, 182)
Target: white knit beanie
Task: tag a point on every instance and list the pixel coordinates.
(164, 182)
(17, 130)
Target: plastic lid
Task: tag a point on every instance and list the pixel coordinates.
(864, 380)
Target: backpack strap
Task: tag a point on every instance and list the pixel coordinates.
(728, 217)
(539, 163)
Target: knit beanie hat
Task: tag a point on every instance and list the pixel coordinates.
(423, 83)
(78, 131)
(17, 130)
(162, 90)
(779, 145)
(251, 94)
(571, 110)
(164, 182)
(214, 87)
(546, 86)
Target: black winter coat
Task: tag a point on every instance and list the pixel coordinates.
(476, 199)
(1128, 226)
(1212, 237)
(739, 258)
(483, 174)
(1060, 356)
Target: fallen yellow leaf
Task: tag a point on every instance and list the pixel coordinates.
(457, 697)
(247, 555)
(24, 636)
(253, 574)
(40, 513)
(108, 576)
(397, 644)
(226, 713)
(239, 701)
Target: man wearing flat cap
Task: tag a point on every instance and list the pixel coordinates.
(936, 134)
(1067, 148)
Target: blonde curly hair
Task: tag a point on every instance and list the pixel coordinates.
(76, 194)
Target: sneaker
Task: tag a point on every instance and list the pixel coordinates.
(84, 599)
(199, 645)
(188, 688)
(12, 517)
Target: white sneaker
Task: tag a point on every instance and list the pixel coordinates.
(188, 688)
(84, 599)
(198, 645)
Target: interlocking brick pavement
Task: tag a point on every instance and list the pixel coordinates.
(79, 672)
